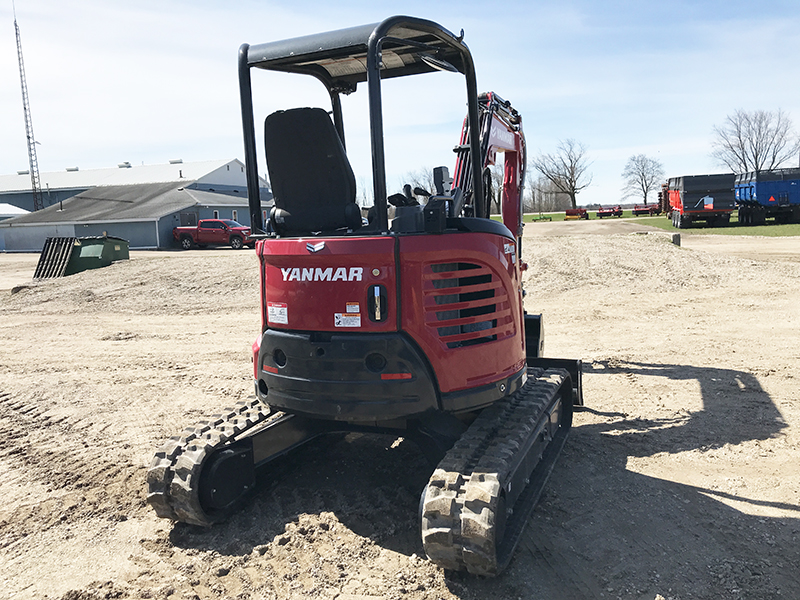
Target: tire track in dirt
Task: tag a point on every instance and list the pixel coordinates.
(62, 475)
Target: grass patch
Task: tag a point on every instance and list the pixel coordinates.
(562, 216)
(788, 230)
(534, 217)
(661, 222)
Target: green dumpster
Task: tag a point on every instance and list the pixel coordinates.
(96, 252)
(65, 255)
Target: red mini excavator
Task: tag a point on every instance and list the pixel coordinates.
(412, 326)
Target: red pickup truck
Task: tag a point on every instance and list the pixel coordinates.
(214, 232)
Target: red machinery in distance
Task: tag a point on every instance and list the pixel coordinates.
(609, 211)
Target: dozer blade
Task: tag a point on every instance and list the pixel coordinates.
(481, 494)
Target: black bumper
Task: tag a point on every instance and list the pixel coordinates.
(351, 377)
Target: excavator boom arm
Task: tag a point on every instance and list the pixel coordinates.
(500, 131)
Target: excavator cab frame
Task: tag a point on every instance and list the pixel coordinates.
(396, 47)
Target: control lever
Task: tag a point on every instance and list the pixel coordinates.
(420, 192)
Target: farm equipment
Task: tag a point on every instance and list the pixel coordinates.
(576, 213)
(413, 327)
(768, 194)
(646, 209)
(609, 211)
(695, 198)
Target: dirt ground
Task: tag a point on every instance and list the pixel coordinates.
(680, 480)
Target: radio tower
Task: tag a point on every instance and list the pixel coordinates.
(33, 163)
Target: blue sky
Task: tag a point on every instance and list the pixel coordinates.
(150, 81)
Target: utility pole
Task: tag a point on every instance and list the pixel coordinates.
(33, 162)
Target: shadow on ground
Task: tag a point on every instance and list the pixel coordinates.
(601, 530)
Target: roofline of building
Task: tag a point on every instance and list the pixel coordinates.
(7, 223)
(87, 175)
(60, 223)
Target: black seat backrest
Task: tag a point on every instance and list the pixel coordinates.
(312, 181)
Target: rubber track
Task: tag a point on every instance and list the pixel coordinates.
(462, 500)
(173, 476)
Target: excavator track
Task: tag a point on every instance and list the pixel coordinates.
(482, 492)
(173, 479)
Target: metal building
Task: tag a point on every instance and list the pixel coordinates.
(112, 202)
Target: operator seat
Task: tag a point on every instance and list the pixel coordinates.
(312, 181)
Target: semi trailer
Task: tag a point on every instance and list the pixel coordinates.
(693, 198)
(762, 195)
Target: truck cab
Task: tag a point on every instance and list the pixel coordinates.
(213, 232)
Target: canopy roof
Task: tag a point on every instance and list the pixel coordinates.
(339, 58)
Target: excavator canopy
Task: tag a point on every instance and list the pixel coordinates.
(339, 58)
(342, 59)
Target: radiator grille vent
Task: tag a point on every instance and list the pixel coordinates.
(466, 304)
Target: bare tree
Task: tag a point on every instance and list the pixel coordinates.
(641, 175)
(755, 141)
(421, 178)
(566, 169)
(364, 192)
(496, 173)
(528, 199)
(546, 197)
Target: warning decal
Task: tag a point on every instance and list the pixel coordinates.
(352, 307)
(278, 312)
(346, 320)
